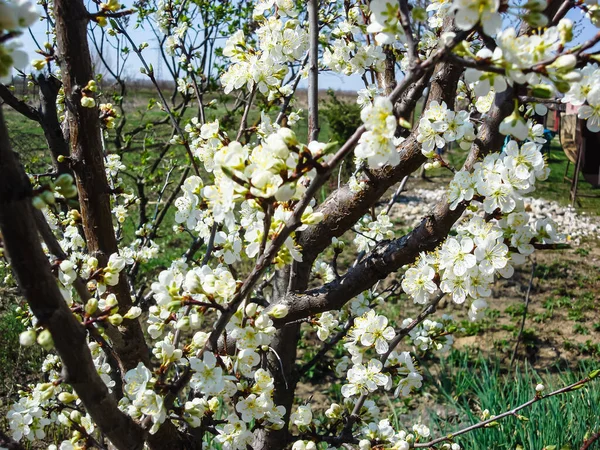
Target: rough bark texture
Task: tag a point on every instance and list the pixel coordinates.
(58, 145)
(38, 285)
(88, 165)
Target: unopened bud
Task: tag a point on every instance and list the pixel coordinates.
(565, 62)
(66, 397)
(115, 319)
(542, 91)
(279, 311)
(133, 313)
(27, 338)
(251, 309)
(44, 339)
(91, 306)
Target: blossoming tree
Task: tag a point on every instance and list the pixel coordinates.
(204, 353)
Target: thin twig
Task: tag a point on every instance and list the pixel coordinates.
(313, 70)
(396, 195)
(588, 443)
(512, 412)
(512, 359)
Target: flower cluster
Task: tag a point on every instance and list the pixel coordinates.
(377, 144)
(264, 67)
(440, 125)
(14, 16)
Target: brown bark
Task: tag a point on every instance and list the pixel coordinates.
(88, 165)
(58, 145)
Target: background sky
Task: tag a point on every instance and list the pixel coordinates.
(326, 80)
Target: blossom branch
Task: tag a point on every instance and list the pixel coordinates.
(346, 433)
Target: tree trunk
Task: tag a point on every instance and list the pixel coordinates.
(88, 165)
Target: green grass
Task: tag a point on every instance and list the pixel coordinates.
(17, 363)
(466, 386)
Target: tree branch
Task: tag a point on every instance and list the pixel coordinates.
(35, 278)
(18, 105)
(313, 70)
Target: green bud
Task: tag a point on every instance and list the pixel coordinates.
(541, 91)
(38, 203)
(75, 416)
(493, 424)
(115, 319)
(594, 374)
(174, 305)
(404, 123)
(47, 391)
(66, 397)
(64, 180)
(562, 86)
(91, 306)
(45, 340)
(48, 197)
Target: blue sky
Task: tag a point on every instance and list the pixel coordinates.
(326, 80)
(38, 31)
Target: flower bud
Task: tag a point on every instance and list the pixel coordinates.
(288, 136)
(279, 311)
(313, 218)
(44, 339)
(565, 62)
(64, 180)
(88, 102)
(213, 404)
(541, 91)
(48, 197)
(27, 338)
(565, 28)
(200, 338)
(111, 301)
(540, 387)
(364, 444)
(572, 76)
(115, 319)
(91, 306)
(133, 313)
(75, 416)
(404, 123)
(334, 411)
(66, 397)
(251, 309)
(46, 391)
(38, 203)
